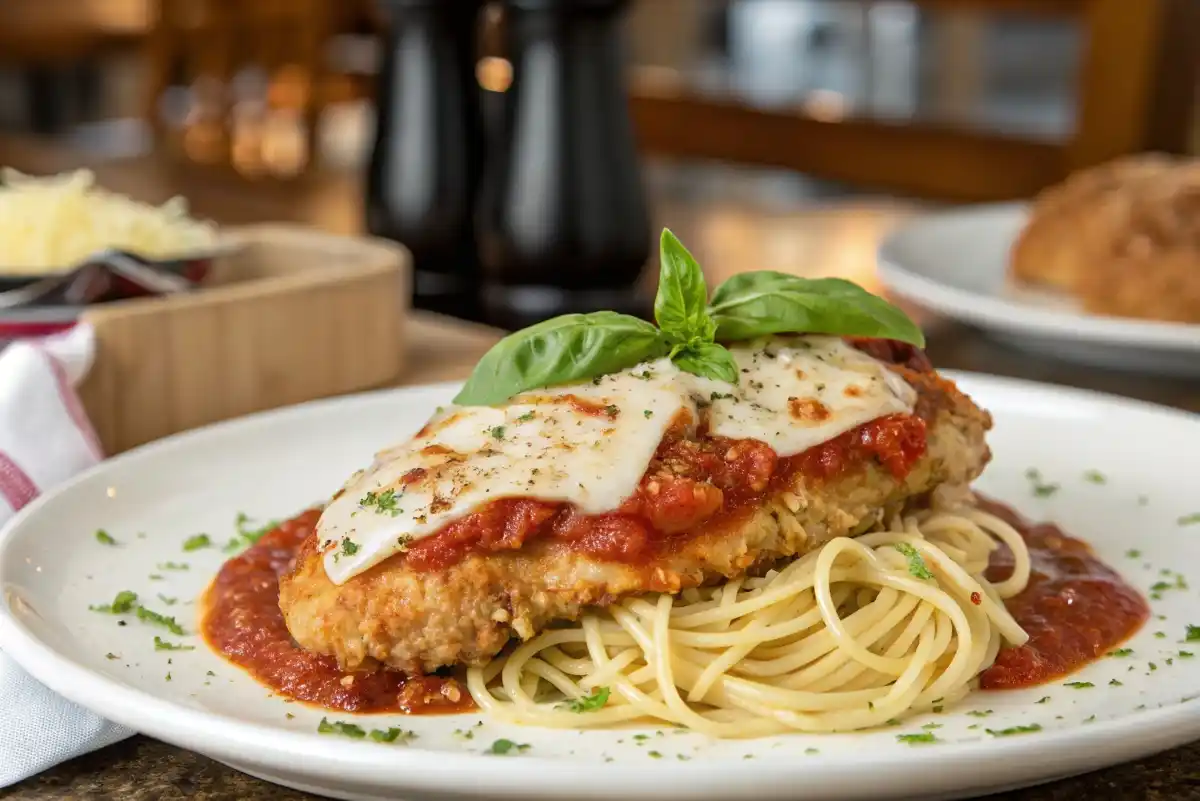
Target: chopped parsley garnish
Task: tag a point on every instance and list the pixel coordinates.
(1011, 730)
(525, 418)
(811, 751)
(917, 739)
(1189, 520)
(393, 735)
(162, 645)
(916, 564)
(1120, 652)
(197, 542)
(1079, 685)
(657, 755)
(173, 566)
(1094, 476)
(931, 726)
(1115, 683)
(1041, 489)
(168, 676)
(104, 538)
(385, 502)
(589, 703)
(168, 623)
(1186, 654)
(1160, 635)
(348, 547)
(337, 727)
(1153, 667)
(166, 600)
(496, 432)
(122, 603)
(647, 413)
(1193, 633)
(975, 713)
(612, 410)
(156, 577)
(247, 534)
(1042, 700)
(464, 734)
(1133, 553)
(111, 656)
(503, 747)
(1090, 719)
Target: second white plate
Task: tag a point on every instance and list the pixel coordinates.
(956, 263)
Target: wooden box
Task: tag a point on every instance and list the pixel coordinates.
(293, 315)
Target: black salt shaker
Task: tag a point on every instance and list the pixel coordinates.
(563, 224)
(427, 158)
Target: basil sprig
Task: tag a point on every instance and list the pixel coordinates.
(576, 347)
(756, 304)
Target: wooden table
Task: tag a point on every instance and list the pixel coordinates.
(837, 239)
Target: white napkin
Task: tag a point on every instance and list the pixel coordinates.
(45, 438)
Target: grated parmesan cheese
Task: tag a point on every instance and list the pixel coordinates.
(54, 223)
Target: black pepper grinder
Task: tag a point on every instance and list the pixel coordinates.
(562, 221)
(427, 159)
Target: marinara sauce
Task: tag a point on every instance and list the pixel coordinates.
(1075, 608)
(243, 623)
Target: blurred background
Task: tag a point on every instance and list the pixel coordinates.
(741, 115)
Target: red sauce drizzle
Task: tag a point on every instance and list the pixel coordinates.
(1075, 609)
(242, 622)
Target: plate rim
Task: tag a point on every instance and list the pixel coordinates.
(1002, 314)
(1128, 737)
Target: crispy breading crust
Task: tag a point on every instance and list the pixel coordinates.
(467, 613)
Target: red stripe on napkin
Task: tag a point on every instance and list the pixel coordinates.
(73, 405)
(15, 485)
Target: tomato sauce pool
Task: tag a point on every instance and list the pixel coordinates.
(242, 622)
(1075, 608)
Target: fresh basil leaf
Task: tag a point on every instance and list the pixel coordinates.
(681, 306)
(755, 304)
(707, 360)
(569, 348)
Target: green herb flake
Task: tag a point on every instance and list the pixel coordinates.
(162, 645)
(150, 616)
(1189, 520)
(1133, 553)
(589, 703)
(348, 547)
(1186, 654)
(503, 747)
(1094, 477)
(1115, 683)
(1045, 490)
(525, 418)
(104, 538)
(197, 542)
(111, 656)
(464, 734)
(916, 564)
(167, 601)
(1121, 652)
(1160, 635)
(386, 502)
(647, 413)
(168, 676)
(1042, 700)
(496, 432)
(337, 727)
(654, 754)
(393, 735)
(1079, 685)
(1090, 719)
(1193, 633)
(931, 726)
(976, 713)
(1011, 730)
(923, 738)
(1153, 667)
(123, 603)
(173, 566)
(810, 751)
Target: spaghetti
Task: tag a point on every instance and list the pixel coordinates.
(850, 636)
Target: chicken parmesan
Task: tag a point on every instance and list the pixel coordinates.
(753, 517)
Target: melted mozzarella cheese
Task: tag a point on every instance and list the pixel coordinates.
(795, 393)
(590, 444)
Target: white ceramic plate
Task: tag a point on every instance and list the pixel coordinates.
(956, 263)
(271, 465)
